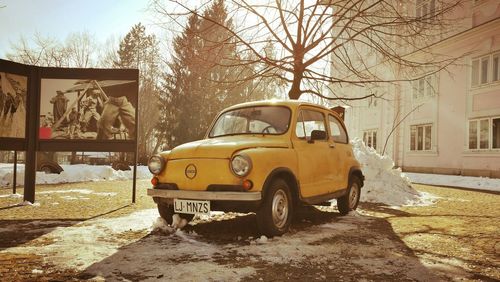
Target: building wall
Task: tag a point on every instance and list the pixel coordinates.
(450, 108)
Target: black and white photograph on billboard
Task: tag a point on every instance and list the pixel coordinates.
(13, 91)
(88, 109)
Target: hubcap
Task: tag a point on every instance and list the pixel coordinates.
(280, 208)
(353, 195)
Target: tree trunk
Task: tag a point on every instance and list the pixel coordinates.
(295, 92)
(298, 73)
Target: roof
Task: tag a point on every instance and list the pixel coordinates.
(293, 104)
(290, 103)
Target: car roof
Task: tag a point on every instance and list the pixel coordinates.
(293, 104)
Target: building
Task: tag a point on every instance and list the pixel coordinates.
(446, 122)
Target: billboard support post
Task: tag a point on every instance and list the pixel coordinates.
(134, 184)
(32, 137)
(14, 177)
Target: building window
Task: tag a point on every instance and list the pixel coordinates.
(370, 138)
(485, 70)
(421, 137)
(484, 134)
(425, 87)
(496, 67)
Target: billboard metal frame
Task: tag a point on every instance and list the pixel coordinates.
(32, 143)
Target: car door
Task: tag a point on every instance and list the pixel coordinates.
(313, 165)
(340, 151)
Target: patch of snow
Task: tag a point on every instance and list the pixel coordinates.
(75, 198)
(426, 199)
(161, 225)
(37, 271)
(72, 173)
(96, 239)
(262, 240)
(28, 203)
(80, 191)
(302, 246)
(353, 213)
(95, 247)
(383, 183)
(12, 196)
(480, 183)
(178, 222)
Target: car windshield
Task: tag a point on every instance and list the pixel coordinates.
(252, 120)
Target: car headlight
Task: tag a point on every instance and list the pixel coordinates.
(241, 165)
(156, 164)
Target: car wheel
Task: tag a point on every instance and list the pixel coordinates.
(167, 211)
(46, 169)
(350, 200)
(275, 213)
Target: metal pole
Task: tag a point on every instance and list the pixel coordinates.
(32, 124)
(14, 180)
(135, 177)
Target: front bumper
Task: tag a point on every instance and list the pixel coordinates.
(205, 195)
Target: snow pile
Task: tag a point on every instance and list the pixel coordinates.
(72, 173)
(383, 183)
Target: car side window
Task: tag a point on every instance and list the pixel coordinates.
(300, 130)
(308, 121)
(337, 131)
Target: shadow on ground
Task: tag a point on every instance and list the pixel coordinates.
(321, 245)
(17, 232)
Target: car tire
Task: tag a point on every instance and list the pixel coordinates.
(350, 200)
(167, 211)
(275, 213)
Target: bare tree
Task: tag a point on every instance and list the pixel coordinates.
(79, 50)
(352, 36)
(40, 51)
(108, 52)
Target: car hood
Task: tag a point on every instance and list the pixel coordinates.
(224, 147)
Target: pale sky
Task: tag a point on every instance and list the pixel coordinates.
(58, 18)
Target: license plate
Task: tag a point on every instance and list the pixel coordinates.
(191, 206)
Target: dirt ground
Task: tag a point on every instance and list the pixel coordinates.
(457, 238)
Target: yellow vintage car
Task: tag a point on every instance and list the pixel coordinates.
(267, 157)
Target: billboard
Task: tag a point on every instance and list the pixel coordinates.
(87, 109)
(13, 97)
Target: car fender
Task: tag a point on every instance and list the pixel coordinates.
(267, 162)
(356, 170)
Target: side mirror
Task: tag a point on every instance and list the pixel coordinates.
(317, 135)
